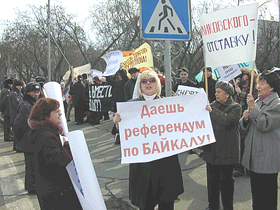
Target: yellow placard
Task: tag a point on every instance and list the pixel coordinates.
(142, 57)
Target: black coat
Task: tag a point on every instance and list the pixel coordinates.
(16, 97)
(164, 175)
(211, 88)
(5, 100)
(21, 128)
(79, 93)
(54, 188)
(129, 89)
(188, 83)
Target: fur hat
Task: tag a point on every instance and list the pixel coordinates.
(225, 86)
(17, 83)
(133, 70)
(9, 80)
(32, 86)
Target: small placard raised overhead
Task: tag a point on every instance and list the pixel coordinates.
(165, 19)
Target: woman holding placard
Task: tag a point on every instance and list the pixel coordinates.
(54, 188)
(262, 143)
(221, 156)
(157, 182)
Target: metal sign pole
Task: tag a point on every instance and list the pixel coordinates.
(167, 68)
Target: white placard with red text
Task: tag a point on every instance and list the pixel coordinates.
(151, 130)
(230, 35)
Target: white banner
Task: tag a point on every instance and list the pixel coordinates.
(228, 73)
(82, 69)
(230, 36)
(188, 91)
(96, 73)
(151, 130)
(53, 90)
(113, 60)
(82, 173)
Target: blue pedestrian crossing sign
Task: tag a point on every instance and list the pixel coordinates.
(166, 19)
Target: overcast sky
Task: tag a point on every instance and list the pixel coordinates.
(80, 7)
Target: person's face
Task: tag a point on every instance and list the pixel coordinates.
(221, 96)
(10, 85)
(35, 94)
(209, 73)
(245, 77)
(148, 85)
(263, 87)
(184, 75)
(55, 116)
(120, 77)
(134, 75)
(19, 87)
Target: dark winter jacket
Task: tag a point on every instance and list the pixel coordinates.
(118, 89)
(16, 97)
(129, 89)
(225, 121)
(5, 100)
(188, 83)
(164, 175)
(79, 93)
(211, 88)
(21, 128)
(51, 159)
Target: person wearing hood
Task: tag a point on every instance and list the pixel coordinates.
(21, 131)
(118, 96)
(15, 98)
(222, 155)
(5, 108)
(130, 84)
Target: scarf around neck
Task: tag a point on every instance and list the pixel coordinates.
(148, 98)
(262, 97)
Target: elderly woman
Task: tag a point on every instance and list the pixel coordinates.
(54, 188)
(156, 182)
(262, 143)
(221, 156)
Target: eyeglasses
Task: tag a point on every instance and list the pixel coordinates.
(151, 80)
(183, 74)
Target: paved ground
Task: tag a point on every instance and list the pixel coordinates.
(112, 176)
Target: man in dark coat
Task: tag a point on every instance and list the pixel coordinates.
(184, 80)
(79, 94)
(130, 84)
(41, 80)
(21, 130)
(15, 98)
(5, 108)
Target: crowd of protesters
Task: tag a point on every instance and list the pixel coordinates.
(246, 127)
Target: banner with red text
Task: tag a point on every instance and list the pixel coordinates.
(142, 57)
(230, 36)
(151, 130)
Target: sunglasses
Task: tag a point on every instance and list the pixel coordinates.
(151, 80)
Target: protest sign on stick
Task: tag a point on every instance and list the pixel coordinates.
(151, 130)
(230, 35)
(113, 60)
